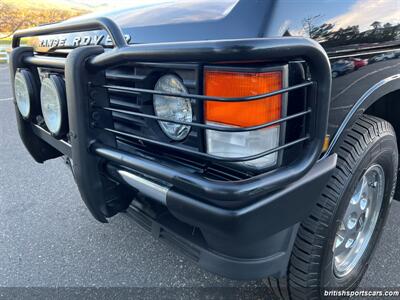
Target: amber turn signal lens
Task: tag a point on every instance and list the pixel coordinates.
(242, 84)
(326, 143)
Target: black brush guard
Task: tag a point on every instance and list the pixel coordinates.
(273, 199)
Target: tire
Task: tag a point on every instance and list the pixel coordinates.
(335, 74)
(370, 143)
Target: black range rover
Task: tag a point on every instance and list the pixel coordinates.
(216, 125)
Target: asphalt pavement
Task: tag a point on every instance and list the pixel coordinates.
(49, 239)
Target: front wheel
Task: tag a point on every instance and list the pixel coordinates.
(335, 243)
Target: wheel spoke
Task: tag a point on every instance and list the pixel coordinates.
(339, 244)
(364, 185)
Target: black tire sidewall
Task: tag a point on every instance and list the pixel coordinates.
(381, 151)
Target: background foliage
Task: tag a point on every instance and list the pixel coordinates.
(19, 14)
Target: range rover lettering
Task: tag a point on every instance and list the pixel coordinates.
(259, 138)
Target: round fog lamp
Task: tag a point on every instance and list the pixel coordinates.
(54, 106)
(24, 92)
(172, 108)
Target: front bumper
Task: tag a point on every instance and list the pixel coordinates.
(247, 243)
(241, 229)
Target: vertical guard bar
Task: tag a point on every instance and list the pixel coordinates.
(98, 193)
(84, 165)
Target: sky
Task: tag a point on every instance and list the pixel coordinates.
(365, 12)
(341, 13)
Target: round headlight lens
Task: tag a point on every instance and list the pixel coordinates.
(22, 93)
(173, 108)
(53, 104)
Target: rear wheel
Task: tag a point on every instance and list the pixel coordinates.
(334, 244)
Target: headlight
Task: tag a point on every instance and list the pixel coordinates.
(233, 84)
(25, 95)
(172, 108)
(54, 106)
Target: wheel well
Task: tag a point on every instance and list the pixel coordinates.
(388, 108)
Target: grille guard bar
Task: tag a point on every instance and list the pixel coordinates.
(86, 63)
(107, 24)
(209, 126)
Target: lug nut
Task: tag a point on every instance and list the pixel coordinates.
(363, 203)
(373, 184)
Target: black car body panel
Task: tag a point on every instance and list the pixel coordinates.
(171, 21)
(248, 222)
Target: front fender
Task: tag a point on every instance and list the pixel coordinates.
(373, 94)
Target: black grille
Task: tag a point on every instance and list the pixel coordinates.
(144, 76)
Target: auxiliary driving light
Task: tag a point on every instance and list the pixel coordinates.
(25, 95)
(54, 106)
(172, 108)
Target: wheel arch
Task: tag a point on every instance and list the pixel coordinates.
(381, 100)
(375, 101)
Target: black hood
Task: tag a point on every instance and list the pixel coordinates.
(172, 20)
